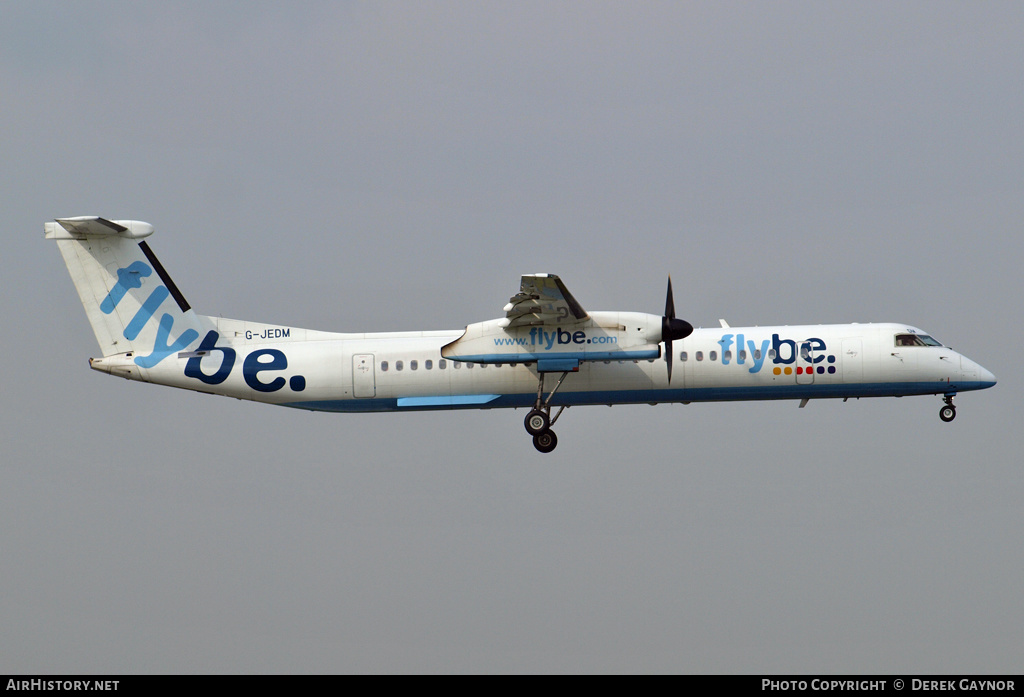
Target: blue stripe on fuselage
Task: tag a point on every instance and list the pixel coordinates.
(453, 400)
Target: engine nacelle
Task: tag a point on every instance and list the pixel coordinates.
(605, 336)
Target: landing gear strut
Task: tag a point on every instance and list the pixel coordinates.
(948, 412)
(539, 421)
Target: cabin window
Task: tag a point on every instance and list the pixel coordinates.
(469, 366)
(457, 365)
(743, 356)
(700, 355)
(428, 364)
(727, 355)
(683, 356)
(771, 354)
(713, 355)
(399, 365)
(442, 364)
(757, 354)
(413, 365)
(384, 366)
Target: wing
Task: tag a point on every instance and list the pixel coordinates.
(543, 299)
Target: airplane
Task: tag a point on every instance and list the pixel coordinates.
(546, 352)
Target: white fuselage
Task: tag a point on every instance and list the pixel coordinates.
(406, 371)
(147, 331)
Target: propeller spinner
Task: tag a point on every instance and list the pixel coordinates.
(672, 328)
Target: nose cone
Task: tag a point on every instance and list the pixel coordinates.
(975, 376)
(986, 377)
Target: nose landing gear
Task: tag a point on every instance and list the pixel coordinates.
(948, 412)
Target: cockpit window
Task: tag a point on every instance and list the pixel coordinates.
(915, 340)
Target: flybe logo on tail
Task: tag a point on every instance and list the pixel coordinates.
(782, 352)
(131, 277)
(255, 367)
(127, 278)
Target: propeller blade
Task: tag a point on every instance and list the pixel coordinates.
(668, 359)
(672, 328)
(670, 303)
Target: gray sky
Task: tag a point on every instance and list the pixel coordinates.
(371, 167)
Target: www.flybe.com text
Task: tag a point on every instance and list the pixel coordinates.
(548, 340)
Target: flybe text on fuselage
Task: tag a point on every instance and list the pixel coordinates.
(781, 352)
(257, 368)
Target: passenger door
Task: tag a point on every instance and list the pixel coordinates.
(363, 383)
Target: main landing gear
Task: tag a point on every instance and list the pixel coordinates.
(948, 412)
(538, 422)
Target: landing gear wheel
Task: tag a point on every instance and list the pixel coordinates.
(947, 413)
(545, 441)
(536, 422)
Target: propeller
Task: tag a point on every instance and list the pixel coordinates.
(672, 328)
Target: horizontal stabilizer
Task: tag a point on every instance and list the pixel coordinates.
(93, 226)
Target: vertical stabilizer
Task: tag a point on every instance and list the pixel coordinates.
(130, 300)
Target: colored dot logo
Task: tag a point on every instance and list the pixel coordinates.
(808, 370)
